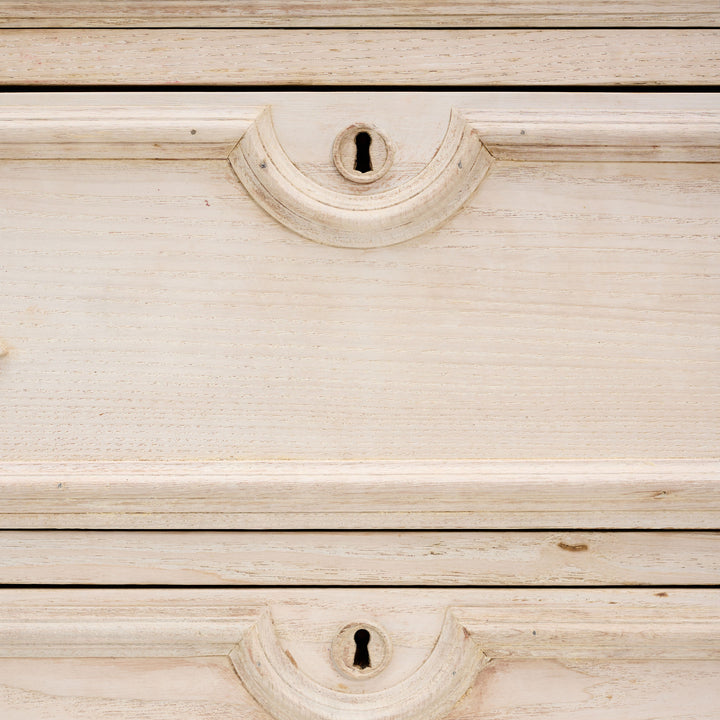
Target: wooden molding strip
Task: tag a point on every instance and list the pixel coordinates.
(84, 629)
(567, 127)
(362, 495)
(359, 57)
(359, 558)
(589, 635)
(360, 221)
(356, 13)
(102, 126)
(611, 134)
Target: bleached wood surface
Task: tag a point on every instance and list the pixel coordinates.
(359, 57)
(124, 125)
(360, 558)
(563, 653)
(153, 311)
(356, 13)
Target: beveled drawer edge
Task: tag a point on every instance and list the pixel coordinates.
(432, 494)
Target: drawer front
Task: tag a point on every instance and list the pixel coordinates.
(334, 654)
(271, 326)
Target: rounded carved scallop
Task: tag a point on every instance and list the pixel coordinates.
(287, 693)
(360, 221)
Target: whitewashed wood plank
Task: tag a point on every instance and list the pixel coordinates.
(356, 13)
(356, 495)
(194, 688)
(357, 57)
(359, 558)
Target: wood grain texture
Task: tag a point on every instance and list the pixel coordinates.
(356, 13)
(565, 653)
(362, 495)
(153, 311)
(359, 558)
(357, 57)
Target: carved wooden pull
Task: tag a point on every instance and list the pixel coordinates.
(360, 221)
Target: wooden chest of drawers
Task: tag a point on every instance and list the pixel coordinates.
(350, 402)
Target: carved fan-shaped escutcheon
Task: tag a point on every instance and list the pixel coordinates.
(360, 221)
(287, 693)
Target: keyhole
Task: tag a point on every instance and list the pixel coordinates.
(362, 656)
(363, 163)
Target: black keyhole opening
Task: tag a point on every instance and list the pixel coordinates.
(363, 163)
(362, 656)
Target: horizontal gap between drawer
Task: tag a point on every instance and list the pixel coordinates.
(657, 89)
(356, 28)
(340, 531)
